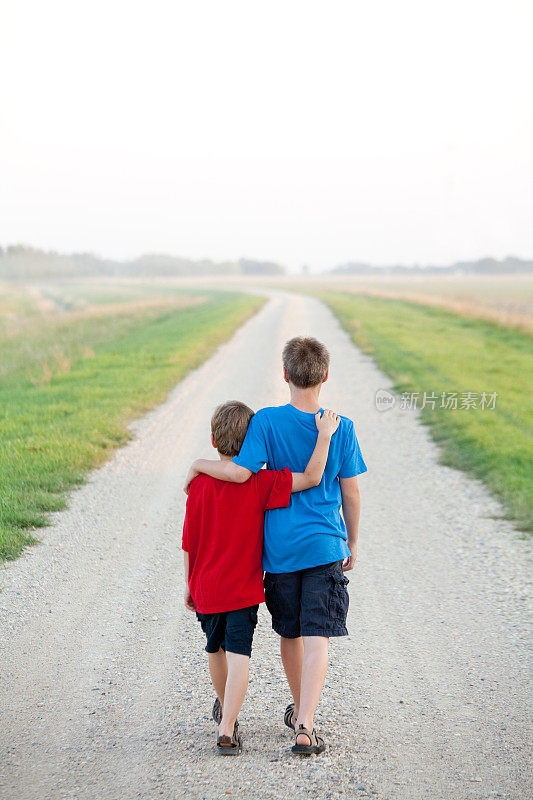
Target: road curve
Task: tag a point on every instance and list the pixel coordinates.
(105, 686)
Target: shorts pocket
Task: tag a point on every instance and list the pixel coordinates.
(339, 600)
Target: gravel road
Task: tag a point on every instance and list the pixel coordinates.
(105, 684)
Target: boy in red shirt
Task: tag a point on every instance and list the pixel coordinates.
(222, 546)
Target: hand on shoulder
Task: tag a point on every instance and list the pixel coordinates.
(328, 423)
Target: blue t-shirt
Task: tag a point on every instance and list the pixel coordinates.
(311, 530)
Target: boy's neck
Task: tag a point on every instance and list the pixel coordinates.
(306, 399)
(224, 458)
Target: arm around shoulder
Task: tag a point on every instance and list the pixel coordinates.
(223, 470)
(326, 424)
(233, 472)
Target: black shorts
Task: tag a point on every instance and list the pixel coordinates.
(232, 631)
(309, 602)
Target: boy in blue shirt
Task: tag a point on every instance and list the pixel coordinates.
(308, 546)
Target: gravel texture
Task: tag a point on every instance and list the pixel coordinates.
(105, 683)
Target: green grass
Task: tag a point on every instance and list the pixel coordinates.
(69, 384)
(428, 349)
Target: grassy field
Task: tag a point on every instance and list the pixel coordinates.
(504, 299)
(79, 361)
(429, 349)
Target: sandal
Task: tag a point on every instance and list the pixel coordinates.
(217, 711)
(316, 746)
(230, 745)
(289, 718)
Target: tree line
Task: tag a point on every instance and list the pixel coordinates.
(21, 262)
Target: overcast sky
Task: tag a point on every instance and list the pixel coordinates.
(388, 131)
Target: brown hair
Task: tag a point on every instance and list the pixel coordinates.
(229, 424)
(306, 361)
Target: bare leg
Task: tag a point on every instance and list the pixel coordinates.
(236, 685)
(314, 668)
(218, 667)
(292, 653)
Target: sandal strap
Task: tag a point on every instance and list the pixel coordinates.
(217, 711)
(310, 734)
(288, 717)
(230, 741)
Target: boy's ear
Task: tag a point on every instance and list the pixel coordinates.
(326, 376)
(285, 376)
(213, 441)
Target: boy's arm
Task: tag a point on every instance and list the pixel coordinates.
(223, 470)
(327, 424)
(351, 509)
(189, 603)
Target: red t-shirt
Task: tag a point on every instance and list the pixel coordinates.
(223, 534)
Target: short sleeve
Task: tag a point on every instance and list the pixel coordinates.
(274, 487)
(253, 453)
(353, 463)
